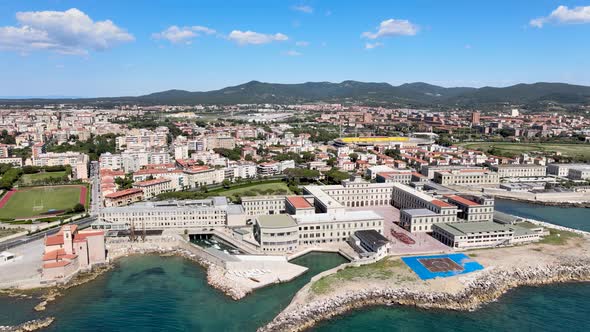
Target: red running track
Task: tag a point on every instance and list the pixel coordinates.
(6, 197)
(83, 191)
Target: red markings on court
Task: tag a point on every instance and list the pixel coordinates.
(443, 264)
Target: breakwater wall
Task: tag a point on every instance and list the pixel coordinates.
(485, 287)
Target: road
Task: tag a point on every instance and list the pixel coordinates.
(95, 198)
(82, 223)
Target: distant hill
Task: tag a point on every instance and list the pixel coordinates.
(421, 94)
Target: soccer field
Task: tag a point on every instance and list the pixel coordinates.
(34, 201)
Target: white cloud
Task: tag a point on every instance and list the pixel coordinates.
(68, 32)
(468, 46)
(255, 38)
(393, 27)
(176, 35)
(564, 15)
(370, 46)
(302, 43)
(303, 9)
(293, 53)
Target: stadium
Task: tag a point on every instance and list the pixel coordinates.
(383, 141)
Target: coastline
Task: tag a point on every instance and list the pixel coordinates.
(508, 268)
(487, 287)
(545, 203)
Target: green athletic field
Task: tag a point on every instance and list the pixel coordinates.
(581, 151)
(30, 202)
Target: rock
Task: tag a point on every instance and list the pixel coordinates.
(483, 288)
(32, 325)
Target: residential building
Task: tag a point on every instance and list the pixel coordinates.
(78, 161)
(123, 197)
(152, 188)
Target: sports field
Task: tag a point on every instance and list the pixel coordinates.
(441, 266)
(40, 201)
(581, 151)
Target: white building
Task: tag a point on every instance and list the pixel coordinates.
(519, 170)
(78, 161)
(205, 214)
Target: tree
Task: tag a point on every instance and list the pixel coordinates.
(392, 153)
(353, 157)
(335, 176)
(226, 183)
(78, 208)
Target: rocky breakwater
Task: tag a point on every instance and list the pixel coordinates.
(483, 287)
(31, 325)
(217, 279)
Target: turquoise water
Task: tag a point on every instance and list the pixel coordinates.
(152, 293)
(573, 217)
(547, 308)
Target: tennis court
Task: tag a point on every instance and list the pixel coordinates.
(441, 266)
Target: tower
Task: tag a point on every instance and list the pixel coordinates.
(68, 239)
(475, 117)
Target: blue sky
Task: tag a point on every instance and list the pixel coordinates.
(114, 48)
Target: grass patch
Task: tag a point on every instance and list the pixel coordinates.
(382, 270)
(30, 202)
(254, 190)
(581, 151)
(558, 237)
(28, 179)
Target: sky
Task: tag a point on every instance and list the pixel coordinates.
(94, 48)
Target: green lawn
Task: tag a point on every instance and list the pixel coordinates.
(30, 178)
(384, 269)
(29, 202)
(581, 151)
(254, 190)
(558, 237)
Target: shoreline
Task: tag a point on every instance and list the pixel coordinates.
(584, 205)
(487, 287)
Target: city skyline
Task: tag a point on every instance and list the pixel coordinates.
(94, 49)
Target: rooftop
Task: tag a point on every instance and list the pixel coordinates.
(371, 237)
(125, 192)
(276, 221)
(356, 215)
(419, 212)
(299, 202)
(465, 228)
(462, 200)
